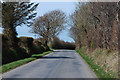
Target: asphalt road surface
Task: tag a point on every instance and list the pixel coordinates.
(59, 64)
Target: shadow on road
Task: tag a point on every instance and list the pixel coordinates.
(63, 51)
(54, 57)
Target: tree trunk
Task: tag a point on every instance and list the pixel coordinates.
(46, 46)
(10, 33)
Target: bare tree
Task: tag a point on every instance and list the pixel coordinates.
(49, 25)
(95, 22)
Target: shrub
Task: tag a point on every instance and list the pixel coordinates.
(7, 54)
(10, 53)
(38, 47)
(25, 48)
(27, 44)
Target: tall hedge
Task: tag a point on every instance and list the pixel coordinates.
(9, 53)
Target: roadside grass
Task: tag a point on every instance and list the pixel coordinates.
(40, 55)
(100, 72)
(12, 65)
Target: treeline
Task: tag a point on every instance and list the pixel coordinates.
(25, 48)
(96, 25)
(59, 44)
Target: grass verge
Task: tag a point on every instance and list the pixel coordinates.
(100, 72)
(12, 65)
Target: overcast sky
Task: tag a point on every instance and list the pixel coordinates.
(67, 7)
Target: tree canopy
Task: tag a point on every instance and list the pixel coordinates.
(15, 14)
(50, 24)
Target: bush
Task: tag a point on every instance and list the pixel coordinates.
(8, 56)
(31, 46)
(25, 48)
(10, 53)
(27, 44)
(38, 47)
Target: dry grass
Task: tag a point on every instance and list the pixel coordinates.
(107, 59)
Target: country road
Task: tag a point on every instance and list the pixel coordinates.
(59, 64)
